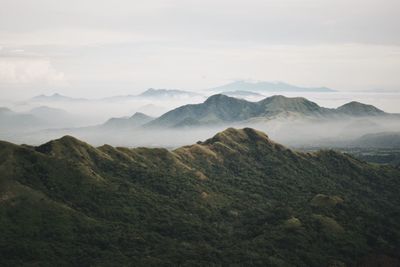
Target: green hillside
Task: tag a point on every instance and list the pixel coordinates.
(220, 108)
(237, 199)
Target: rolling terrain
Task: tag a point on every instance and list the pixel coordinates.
(237, 198)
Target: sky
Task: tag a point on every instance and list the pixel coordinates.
(96, 48)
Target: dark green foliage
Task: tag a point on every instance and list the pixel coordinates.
(235, 199)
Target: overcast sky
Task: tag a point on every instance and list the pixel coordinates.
(98, 48)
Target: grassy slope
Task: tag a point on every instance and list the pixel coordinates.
(235, 198)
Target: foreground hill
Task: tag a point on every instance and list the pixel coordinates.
(235, 199)
(220, 108)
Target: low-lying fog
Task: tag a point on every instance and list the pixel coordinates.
(289, 130)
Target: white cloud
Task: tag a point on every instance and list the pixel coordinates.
(199, 66)
(25, 71)
(71, 37)
(129, 45)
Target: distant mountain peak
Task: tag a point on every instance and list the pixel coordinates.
(264, 86)
(220, 108)
(151, 92)
(136, 120)
(55, 97)
(279, 103)
(46, 109)
(140, 115)
(359, 109)
(140, 118)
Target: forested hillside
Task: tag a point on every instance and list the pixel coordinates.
(235, 199)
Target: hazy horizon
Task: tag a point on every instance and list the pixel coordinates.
(101, 48)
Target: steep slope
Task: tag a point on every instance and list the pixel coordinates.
(237, 198)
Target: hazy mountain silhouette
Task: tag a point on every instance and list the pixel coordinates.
(262, 86)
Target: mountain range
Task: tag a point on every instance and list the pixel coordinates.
(237, 198)
(279, 115)
(56, 97)
(10, 120)
(36, 118)
(224, 109)
(264, 87)
(236, 89)
(148, 94)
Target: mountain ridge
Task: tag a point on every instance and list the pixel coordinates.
(220, 108)
(238, 191)
(264, 86)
